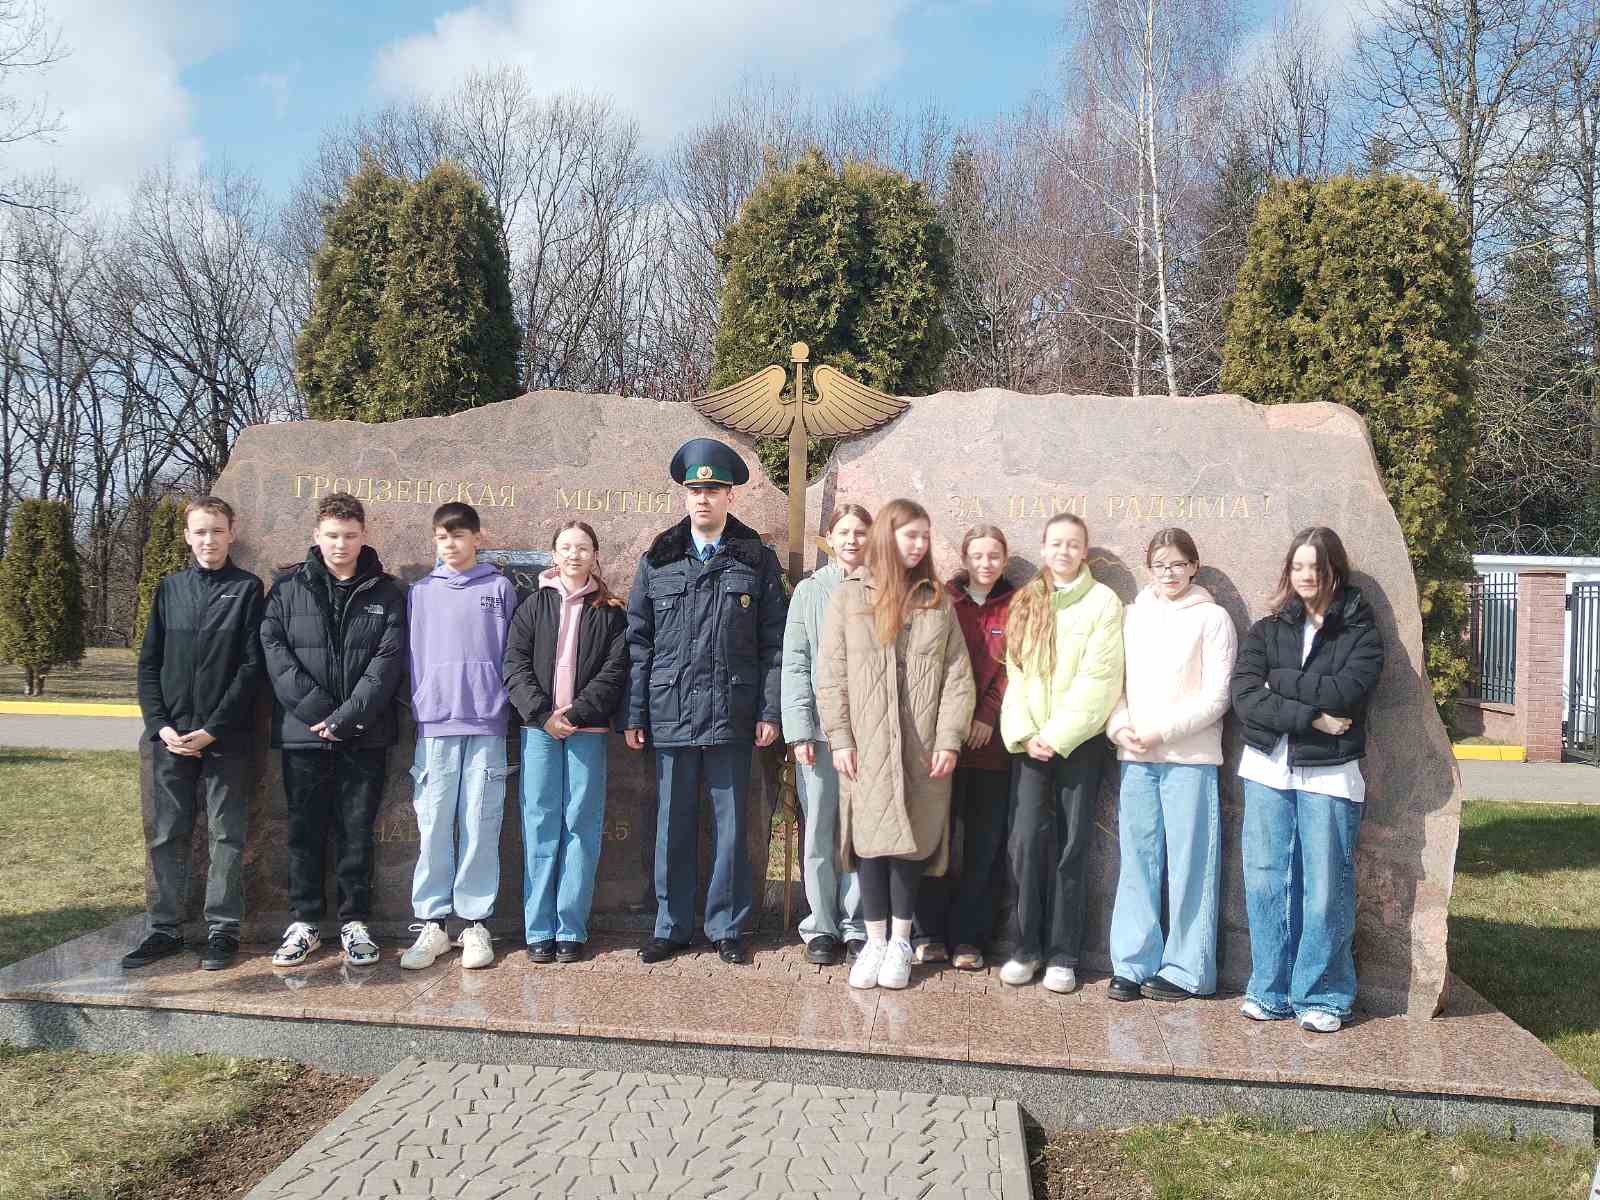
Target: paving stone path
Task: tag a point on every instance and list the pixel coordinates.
(513, 1133)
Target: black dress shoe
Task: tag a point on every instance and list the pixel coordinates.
(824, 950)
(660, 949)
(219, 952)
(731, 950)
(569, 952)
(542, 952)
(1157, 988)
(853, 948)
(1122, 989)
(153, 949)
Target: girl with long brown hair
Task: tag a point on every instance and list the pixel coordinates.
(566, 666)
(834, 923)
(1064, 671)
(895, 696)
(1301, 687)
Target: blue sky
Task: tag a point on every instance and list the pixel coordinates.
(257, 82)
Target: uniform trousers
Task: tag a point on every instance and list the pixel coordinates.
(725, 771)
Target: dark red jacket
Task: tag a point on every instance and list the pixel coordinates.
(985, 628)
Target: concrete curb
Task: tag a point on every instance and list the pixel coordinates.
(66, 708)
(1015, 1183)
(1475, 753)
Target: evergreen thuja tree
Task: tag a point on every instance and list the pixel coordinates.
(855, 263)
(1359, 290)
(41, 593)
(165, 551)
(335, 355)
(446, 336)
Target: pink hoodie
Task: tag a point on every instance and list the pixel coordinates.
(1179, 656)
(567, 635)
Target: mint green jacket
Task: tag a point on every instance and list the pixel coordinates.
(1071, 706)
(802, 634)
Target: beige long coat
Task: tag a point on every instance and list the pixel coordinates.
(892, 808)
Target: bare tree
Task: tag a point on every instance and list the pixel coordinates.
(1575, 124)
(1457, 85)
(1289, 101)
(199, 291)
(29, 42)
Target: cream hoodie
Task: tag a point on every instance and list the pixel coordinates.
(1179, 660)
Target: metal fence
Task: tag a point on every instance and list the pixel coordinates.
(1492, 633)
(1580, 732)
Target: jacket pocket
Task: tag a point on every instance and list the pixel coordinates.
(665, 706)
(459, 691)
(739, 615)
(741, 703)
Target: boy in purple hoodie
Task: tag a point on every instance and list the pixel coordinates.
(459, 616)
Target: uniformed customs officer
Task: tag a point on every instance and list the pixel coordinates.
(705, 641)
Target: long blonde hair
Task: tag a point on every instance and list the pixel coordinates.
(900, 590)
(1031, 627)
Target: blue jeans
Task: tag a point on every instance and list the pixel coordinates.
(1168, 822)
(460, 798)
(834, 895)
(1300, 892)
(563, 809)
(726, 771)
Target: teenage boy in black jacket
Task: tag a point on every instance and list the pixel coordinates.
(199, 668)
(334, 637)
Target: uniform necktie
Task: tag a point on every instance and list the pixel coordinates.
(706, 552)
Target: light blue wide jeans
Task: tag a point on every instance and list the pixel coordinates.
(563, 808)
(1168, 824)
(460, 797)
(834, 895)
(1300, 893)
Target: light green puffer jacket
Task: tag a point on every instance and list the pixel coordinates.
(801, 636)
(1069, 708)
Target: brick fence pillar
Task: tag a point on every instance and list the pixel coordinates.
(1541, 633)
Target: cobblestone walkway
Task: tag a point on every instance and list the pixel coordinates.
(513, 1133)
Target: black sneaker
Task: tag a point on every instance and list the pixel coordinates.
(153, 949)
(1157, 988)
(824, 950)
(569, 952)
(853, 948)
(219, 952)
(1122, 988)
(542, 952)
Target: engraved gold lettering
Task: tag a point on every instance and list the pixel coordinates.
(338, 479)
(488, 500)
(319, 484)
(661, 502)
(566, 499)
(1115, 505)
(386, 489)
(363, 489)
(403, 491)
(297, 485)
(1241, 507)
(508, 495)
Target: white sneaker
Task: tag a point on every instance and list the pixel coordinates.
(1017, 972)
(868, 963)
(1318, 1021)
(476, 950)
(1060, 979)
(359, 948)
(896, 969)
(300, 942)
(1255, 1012)
(430, 944)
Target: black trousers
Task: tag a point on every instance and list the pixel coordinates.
(222, 782)
(959, 910)
(335, 791)
(1052, 813)
(889, 887)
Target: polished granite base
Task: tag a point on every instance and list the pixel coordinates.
(1078, 1059)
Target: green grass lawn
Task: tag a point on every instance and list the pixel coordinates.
(104, 674)
(71, 846)
(1525, 931)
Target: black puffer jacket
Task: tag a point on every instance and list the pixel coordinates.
(705, 640)
(1275, 694)
(600, 673)
(345, 672)
(200, 661)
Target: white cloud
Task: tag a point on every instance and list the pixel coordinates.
(278, 86)
(118, 91)
(664, 61)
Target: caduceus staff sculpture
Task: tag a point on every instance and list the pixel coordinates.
(757, 405)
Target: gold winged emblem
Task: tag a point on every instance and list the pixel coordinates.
(841, 407)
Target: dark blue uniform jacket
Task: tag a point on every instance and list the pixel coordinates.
(705, 640)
